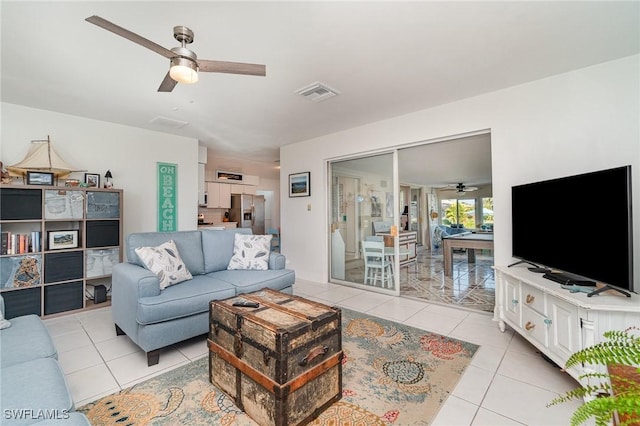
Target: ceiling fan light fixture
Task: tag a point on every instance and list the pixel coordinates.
(184, 70)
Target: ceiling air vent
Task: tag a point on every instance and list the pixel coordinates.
(168, 122)
(317, 92)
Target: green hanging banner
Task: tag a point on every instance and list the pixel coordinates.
(167, 197)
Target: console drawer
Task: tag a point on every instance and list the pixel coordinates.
(533, 298)
(534, 326)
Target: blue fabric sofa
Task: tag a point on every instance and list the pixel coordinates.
(155, 318)
(443, 231)
(33, 387)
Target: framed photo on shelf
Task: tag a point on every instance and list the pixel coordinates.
(300, 184)
(59, 240)
(39, 178)
(92, 180)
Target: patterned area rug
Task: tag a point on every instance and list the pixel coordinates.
(471, 286)
(393, 374)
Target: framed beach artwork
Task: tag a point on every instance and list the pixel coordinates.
(92, 180)
(63, 239)
(300, 184)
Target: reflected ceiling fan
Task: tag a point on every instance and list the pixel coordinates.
(184, 62)
(459, 188)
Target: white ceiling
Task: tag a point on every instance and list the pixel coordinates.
(385, 58)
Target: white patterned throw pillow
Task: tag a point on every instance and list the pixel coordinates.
(165, 262)
(251, 252)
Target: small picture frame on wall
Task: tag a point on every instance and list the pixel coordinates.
(300, 184)
(58, 240)
(39, 178)
(92, 180)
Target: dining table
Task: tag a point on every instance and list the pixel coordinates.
(469, 241)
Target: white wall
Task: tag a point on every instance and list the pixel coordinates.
(566, 124)
(97, 146)
(272, 185)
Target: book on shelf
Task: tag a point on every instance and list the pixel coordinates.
(12, 243)
(4, 243)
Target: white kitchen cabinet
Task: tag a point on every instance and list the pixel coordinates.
(218, 195)
(555, 321)
(242, 189)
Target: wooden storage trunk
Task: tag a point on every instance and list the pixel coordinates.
(281, 362)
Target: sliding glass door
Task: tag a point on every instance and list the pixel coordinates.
(363, 208)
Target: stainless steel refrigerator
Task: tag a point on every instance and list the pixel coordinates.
(248, 211)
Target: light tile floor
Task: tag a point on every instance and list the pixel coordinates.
(507, 383)
(472, 285)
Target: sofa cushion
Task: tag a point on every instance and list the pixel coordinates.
(189, 298)
(23, 390)
(217, 247)
(247, 281)
(189, 244)
(27, 339)
(164, 261)
(251, 252)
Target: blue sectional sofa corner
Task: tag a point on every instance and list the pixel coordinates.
(33, 389)
(153, 318)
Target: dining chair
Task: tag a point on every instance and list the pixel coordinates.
(376, 265)
(275, 240)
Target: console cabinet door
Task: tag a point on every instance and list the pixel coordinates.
(565, 328)
(512, 307)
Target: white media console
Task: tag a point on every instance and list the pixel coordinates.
(556, 321)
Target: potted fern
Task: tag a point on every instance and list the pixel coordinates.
(616, 394)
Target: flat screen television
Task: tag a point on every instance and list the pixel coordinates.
(580, 225)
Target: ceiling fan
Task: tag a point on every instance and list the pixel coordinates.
(184, 62)
(460, 188)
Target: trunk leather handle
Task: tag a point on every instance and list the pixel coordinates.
(313, 353)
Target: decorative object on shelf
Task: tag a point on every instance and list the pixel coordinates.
(41, 157)
(92, 180)
(107, 182)
(618, 394)
(39, 178)
(71, 182)
(63, 239)
(300, 184)
(4, 174)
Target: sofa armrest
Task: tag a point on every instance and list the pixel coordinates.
(129, 283)
(277, 260)
(135, 280)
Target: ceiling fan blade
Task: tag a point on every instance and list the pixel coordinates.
(167, 84)
(232, 67)
(110, 26)
(470, 188)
